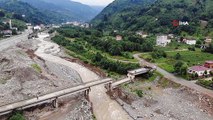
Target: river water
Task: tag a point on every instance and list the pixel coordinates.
(104, 108)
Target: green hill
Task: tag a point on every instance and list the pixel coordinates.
(156, 16)
(5, 17)
(66, 10)
(30, 13)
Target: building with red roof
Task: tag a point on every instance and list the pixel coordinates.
(200, 70)
(209, 64)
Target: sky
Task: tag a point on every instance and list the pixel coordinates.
(95, 2)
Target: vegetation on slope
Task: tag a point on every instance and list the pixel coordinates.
(157, 16)
(83, 44)
(64, 10)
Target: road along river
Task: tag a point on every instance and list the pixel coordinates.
(104, 108)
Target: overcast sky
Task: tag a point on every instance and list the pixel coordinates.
(95, 2)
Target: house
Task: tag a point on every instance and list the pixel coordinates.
(142, 34)
(190, 41)
(28, 24)
(162, 40)
(209, 64)
(171, 36)
(119, 37)
(199, 70)
(7, 33)
(208, 40)
(37, 28)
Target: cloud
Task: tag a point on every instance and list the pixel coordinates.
(95, 2)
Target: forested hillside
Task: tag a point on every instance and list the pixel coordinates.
(4, 24)
(156, 16)
(64, 10)
(25, 12)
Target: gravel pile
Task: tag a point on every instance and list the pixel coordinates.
(82, 111)
(19, 80)
(166, 104)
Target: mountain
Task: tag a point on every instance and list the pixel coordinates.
(26, 12)
(156, 16)
(66, 9)
(98, 8)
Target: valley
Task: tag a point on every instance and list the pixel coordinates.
(106, 60)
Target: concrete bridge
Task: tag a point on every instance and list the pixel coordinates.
(53, 97)
(130, 77)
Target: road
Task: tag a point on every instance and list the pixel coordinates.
(174, 78)
(8, 42)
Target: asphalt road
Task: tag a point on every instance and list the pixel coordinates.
(174, 78)
(8, 42)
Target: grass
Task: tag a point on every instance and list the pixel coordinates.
(139, 93)
(206, 83)
(37, 68)
(174, 46)
(190, 57)
(121, 58)
(165, 83)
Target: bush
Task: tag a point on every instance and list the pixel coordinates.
(37, 68)
(139, 93)
(17, 116)
(156, 54)
(191, 48)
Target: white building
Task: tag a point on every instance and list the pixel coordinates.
(142, 34)
(190, 41)
(200, 70)
(37, 28)
(162, 40)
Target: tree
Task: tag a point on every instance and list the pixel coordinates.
(196, 75)
(183, 69)
(205, 73)
(177, 56)
(178, 66)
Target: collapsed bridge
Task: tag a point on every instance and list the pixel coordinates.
(53, 97)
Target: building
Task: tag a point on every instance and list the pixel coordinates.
(199, 70)
(142, 34)
(7, 33)
(190, 41)
(171, 36)
(209, 64)
(162, 40)
(37, 28)
(119, 37)
(208, 40)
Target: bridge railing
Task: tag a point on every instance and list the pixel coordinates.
(36, 100)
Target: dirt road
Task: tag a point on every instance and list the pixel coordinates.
(104, 108)
(5, 43)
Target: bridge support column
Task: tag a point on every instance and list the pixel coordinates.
(109, 87)
(86, 93)
(55, 103)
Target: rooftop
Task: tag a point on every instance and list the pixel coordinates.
(140, 70)
(199, 68)
(210, 62)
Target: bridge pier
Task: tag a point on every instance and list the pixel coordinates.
(131, 77)
(109, 87)
(86, 93)
(55, 103)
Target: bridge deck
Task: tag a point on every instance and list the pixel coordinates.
(41, 99)
(126, 80)
(139, 71)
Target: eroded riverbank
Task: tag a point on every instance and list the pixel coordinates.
(103, 107)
